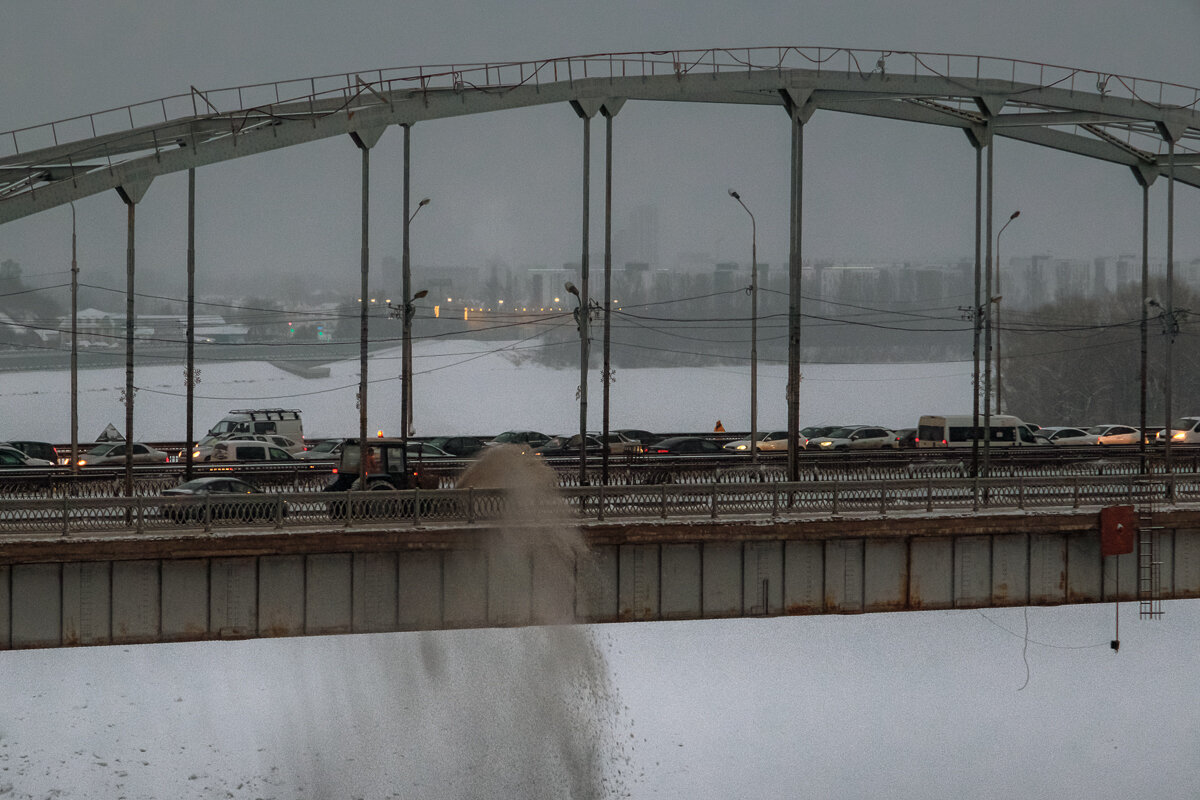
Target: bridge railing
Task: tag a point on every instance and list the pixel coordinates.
(1013, 464)
(69, 516)
(339, 92)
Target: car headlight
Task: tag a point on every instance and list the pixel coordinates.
(826, 444)
(1179, 436)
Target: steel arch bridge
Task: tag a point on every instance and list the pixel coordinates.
(1150, 126)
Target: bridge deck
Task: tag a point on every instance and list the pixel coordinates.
(125, 587)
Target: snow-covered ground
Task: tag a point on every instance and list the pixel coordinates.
(991, 704)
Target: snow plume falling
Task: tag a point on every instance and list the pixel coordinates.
(551, 697)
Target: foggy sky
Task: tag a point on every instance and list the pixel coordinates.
(506, 186)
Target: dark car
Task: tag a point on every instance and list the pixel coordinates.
(458, 446)
(687, 446)
(906, 438)
(524, 439)
(422, 450)
(569, 446)
(42, 450)
(224, 498)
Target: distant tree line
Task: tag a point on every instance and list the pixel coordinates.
(1078, 361)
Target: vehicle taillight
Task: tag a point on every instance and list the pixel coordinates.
(335, 470)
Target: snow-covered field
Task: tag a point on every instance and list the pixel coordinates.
(991, 704)
(480, 388)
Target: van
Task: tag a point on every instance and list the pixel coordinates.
(958, 430)
(283, 421)
(236, 450)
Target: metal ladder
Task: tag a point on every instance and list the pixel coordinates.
(1149, 565)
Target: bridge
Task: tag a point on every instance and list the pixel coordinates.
(79, 571)
(107, 570)
(1146, 126)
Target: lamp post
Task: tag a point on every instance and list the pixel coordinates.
(75, 350)
(406, 427)
(581, 319)
(753, 332)
(999, 359)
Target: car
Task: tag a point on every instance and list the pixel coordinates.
(638, 435)
(1115, 434)
(327, 449)
(42, 450)
(227, 497)
(1184, 430)
(458, 446)
(622, 444)
(11, 457)
(569, 446)
(422, 450)
(855, 437)
(113, 453)
(687, 446)
(769, 441)
(811, 432)
(906, 438)
(1062, 436)
(525, 439)
(248, 450)
(288, 445)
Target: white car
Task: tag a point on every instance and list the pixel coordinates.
(113, 453)
(772, 441)
(855, 437)
(1115, 434)
(1184, 430)
(203, 452)
(12, 457)
(1065, 437)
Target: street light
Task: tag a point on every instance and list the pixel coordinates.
(406, 311)
(581, 320)
(406, 427)
(999, 360)
(420, 205)
(753, 332)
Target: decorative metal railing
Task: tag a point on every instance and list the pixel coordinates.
(76, 516)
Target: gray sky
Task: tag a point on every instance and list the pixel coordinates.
(505, 186)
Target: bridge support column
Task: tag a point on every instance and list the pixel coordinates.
(977, 136)
(1172, 134)
(1144, 176)
(609, 110)
(365, 140)
(798, 104)
(190, 376)
(586, 109)
(130, 193)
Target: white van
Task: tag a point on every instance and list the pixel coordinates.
(234, 450)
(958, 430)
(283, 421)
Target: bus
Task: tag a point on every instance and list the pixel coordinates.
(958, 430)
